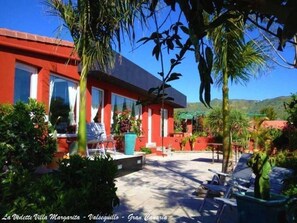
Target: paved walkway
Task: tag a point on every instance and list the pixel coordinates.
(164, 191)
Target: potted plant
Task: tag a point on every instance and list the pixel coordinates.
(261, 205)
(192, 140)
(183, 143)
(129, 127)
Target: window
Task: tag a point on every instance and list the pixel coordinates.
(97, 105)
(63, 104)
(25, 83)
(164, 113)
(120, 103)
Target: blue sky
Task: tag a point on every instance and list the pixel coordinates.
(31, 16)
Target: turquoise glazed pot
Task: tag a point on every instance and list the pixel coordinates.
(130, 141)
(254, 210)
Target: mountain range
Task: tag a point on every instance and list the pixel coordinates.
(246, 106)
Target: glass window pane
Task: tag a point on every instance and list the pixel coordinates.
(97, 105)
(22, 85)
(120, 103)
(62, 104)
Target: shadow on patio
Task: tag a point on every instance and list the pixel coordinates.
(164, 191)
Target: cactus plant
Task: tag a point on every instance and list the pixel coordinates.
(261, 164)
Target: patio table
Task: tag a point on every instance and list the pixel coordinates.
(216, 148)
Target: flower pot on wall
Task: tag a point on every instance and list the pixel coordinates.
(251, 209)
(130, 141)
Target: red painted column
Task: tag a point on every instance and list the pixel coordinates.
(107, 110)
(7, 67)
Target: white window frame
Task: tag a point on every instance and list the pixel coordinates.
(77, 103)
(33, 78)
(102, 104)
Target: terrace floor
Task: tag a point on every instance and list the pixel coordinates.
(165, 190)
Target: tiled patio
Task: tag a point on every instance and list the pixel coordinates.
(164, 191)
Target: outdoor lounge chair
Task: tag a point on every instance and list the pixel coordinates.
(276, 178)
(97, 140)
(240, 177)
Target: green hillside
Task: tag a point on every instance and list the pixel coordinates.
(247, 106)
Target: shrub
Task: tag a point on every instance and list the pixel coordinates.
(288, 159)
(80, 187)
(24, 193)
(88, 185)
(146, 150)
(24, 136)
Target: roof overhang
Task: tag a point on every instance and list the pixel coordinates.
(130, 76)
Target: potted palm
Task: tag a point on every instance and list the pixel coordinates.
(192, 140)
(183, 143)
(261, 206)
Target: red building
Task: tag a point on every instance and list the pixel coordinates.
(46, 69)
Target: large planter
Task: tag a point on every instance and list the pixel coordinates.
(130, 141)
(251, 209)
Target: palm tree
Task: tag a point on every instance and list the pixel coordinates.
(95, 26)
(238, 123)
(214, 122)
(257, 130)
(269, 112)
(235, 60)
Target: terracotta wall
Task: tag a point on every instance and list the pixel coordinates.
(48, 58)
(44, 57)
(174, 143)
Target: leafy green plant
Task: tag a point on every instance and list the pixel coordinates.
(25, 193)
(183, 143)
(88, 185)
(291, 109)
(192, 140)
(80, 187)
(25, 141)
(261, 165)
(146, 150)
(288, 159)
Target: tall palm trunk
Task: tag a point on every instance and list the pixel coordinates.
(227, 151)
(82, 133)
(82, 141)
(85, 58)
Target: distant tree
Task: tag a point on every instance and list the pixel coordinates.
(238, 123)
(214, 122)
(291, 109)
(257, 131)
(269, 112)
(200, 123)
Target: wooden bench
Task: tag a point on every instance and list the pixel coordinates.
(97, 139)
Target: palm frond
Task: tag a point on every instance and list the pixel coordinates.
(233, 56)
(99, 25)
